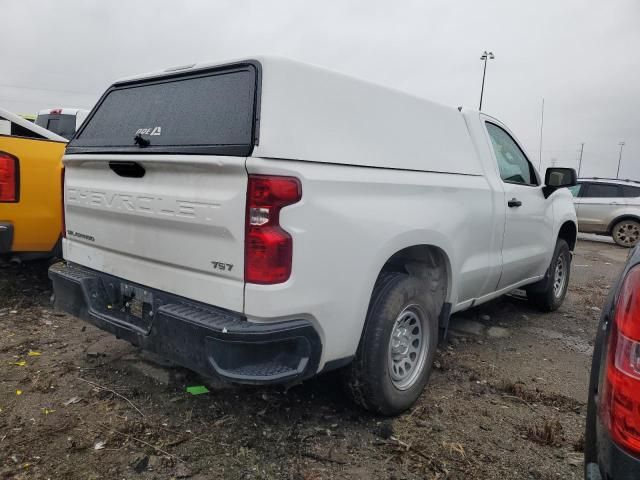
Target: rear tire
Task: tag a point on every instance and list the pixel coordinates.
(626, 233)
(548, 294)
(395, 355)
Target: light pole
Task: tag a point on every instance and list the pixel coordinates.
(580, 160)
(485, 56)
(619, 158)
(541, 125)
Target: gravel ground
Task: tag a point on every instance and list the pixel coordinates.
(507, 400)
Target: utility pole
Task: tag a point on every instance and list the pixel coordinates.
(541, 125)
(619, 158)
(580, 160)
(485, 56)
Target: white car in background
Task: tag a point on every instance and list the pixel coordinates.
(62, 121)
(610, 207)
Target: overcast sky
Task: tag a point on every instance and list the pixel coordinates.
(582, 56)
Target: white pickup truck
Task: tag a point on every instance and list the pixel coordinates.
(266, 220)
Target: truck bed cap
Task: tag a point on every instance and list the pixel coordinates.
(314, 114)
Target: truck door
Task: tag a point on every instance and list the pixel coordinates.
(527, 243)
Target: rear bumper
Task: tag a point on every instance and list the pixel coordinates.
(7, 234)
(6, 237)
(610, 462)
(592, 472)
(203, 338)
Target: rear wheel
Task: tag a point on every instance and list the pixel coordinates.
(548, 294)
(626, 233)
(396, 351)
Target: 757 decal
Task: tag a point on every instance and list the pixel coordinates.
(225, 267)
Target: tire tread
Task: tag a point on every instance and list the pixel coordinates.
(355, 373)
(540, 294)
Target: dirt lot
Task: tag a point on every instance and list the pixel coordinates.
(506, 400)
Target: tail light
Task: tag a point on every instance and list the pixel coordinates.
(268, 247)
(9, 182)
(620, 404)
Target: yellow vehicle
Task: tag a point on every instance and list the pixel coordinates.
(30, 188)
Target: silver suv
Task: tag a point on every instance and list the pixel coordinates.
(609, 207)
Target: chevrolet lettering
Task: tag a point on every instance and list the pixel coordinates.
(149, 205)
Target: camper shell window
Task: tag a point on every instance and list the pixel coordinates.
(203, 112)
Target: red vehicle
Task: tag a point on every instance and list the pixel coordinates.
(612, 440)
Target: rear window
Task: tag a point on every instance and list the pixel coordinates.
(205, 112)
(63, 125)
(602, 190)
(631, 192)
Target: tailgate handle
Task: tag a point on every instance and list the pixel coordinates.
(127, 169)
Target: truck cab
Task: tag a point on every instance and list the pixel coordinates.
(62, 121)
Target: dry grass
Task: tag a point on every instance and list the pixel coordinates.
(535, 396)
(548, 433)
(518, 389)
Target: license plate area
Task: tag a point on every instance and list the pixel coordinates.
(137, 304)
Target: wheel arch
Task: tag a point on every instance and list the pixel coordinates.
(569, 233)
(425, 261)
(619, 218)
(421, 253)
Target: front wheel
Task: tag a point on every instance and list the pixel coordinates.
(548, 294)
(397, 348)
(626, 233)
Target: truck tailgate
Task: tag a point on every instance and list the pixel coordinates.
(171, 222)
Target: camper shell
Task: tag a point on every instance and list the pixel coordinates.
(419, 134)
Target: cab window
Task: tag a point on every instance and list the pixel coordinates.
(512, 162)
(63, 125)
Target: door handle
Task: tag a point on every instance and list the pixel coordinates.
(127, 169)
(514, 202)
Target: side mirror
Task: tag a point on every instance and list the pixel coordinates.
(556, 178)
(560, 177)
